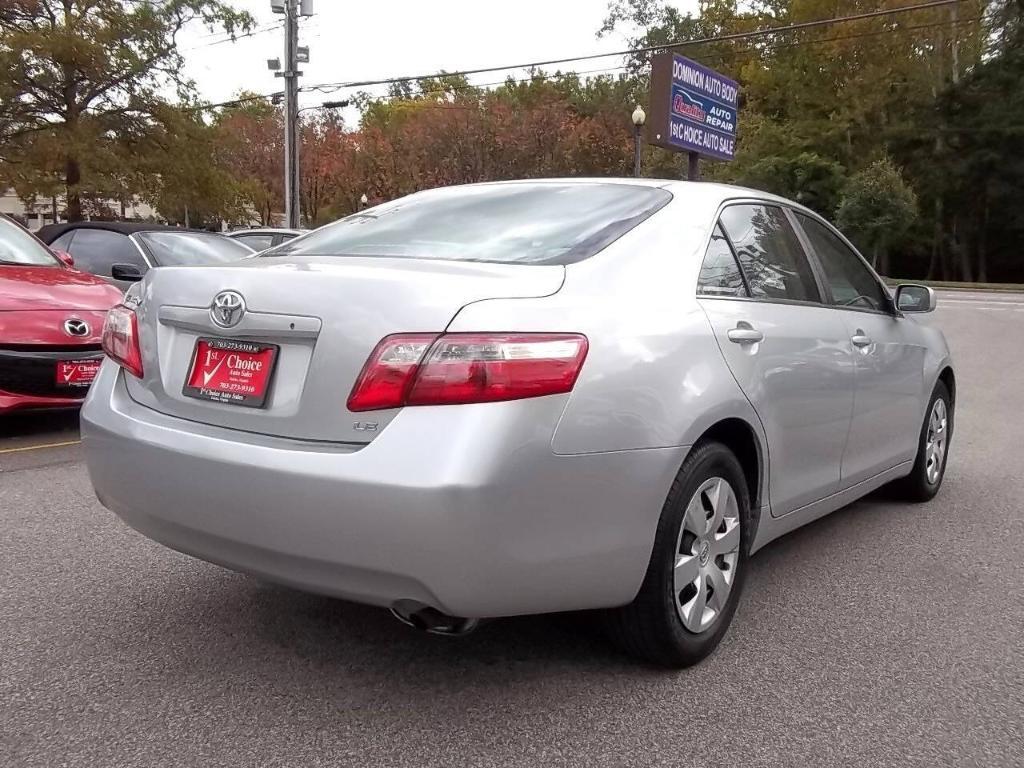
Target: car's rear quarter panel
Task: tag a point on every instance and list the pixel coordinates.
(654, 375)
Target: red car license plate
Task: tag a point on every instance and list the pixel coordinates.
(231, 371)
(76, 373)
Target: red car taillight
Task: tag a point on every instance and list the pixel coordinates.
(459, 368)
(121, 339)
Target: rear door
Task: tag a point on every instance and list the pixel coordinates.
(789, 353)
(888, 352)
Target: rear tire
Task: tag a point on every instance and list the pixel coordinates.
(697, 567)
(925, 478)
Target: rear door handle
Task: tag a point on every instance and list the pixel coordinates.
(860, 340)
(744, 334)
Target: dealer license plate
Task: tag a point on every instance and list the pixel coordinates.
(231, 371)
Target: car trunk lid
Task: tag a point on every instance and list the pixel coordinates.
(324, 315)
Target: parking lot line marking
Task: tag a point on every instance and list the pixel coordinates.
(38, 447)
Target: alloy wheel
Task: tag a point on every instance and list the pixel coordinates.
(935, 441)
(707, 555)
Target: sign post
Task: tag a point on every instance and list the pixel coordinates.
(693, 110)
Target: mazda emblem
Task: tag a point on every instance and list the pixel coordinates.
(75, 327)
(227, 308)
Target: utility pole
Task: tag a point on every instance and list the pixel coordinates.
(292, 9)
(692, 166)
(291, 115)
(955, 43)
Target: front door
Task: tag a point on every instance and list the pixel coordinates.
(790, 354)
(888, 353)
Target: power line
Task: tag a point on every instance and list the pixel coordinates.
(235, 38)
(720, 56)
(653, 48)
(332, 87)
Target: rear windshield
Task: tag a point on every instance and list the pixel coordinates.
(178, 249)
(504, 223)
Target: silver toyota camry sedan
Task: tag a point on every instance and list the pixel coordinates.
(522, 397)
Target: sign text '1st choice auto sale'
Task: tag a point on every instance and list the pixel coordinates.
(693, 108)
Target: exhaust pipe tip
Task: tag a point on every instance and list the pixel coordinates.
(432, 621)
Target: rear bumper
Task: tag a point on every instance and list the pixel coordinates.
(463, 508)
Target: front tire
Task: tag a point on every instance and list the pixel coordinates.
(697, 567)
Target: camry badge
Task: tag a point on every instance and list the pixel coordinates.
(227, 308)
(75, 327)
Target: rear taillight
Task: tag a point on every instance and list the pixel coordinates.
(121, 339)
(459, 368)
(385, 379)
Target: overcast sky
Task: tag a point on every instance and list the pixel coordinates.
(375, 39)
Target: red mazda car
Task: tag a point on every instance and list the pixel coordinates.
(51, 320)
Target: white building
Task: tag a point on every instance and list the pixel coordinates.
(43, 211)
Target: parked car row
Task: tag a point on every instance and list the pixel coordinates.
(122, 252)
(56, 289)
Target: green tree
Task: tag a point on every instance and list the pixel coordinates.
(807, 178)
(83, 80)
(980, 120)
(877, 209)
(844, 93)
(179, 174)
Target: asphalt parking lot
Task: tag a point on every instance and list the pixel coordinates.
(885, 634)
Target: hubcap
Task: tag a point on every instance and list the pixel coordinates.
(935, 442)
(707, 554)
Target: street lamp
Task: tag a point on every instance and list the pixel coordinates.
(326, 105)
(639, 118)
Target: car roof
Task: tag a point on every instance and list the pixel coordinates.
(51, 232)
(703, 191)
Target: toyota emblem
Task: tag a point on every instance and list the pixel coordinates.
(75, 327)
(227, 308)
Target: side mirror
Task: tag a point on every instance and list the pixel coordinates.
(126, 272)
(915, 298)
(64, 257)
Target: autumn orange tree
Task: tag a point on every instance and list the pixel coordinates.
(443, 131)
(250, 147)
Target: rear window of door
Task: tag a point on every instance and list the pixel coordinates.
(96, 251)
(848, 277)
(720, 273)
(769, 252)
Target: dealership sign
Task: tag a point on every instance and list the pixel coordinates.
(693, 108)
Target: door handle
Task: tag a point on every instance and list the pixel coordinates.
(861, 340)
(744, 334)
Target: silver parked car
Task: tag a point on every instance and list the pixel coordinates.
(522, 397)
